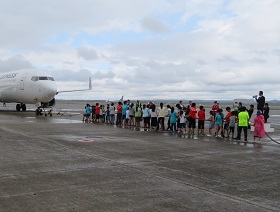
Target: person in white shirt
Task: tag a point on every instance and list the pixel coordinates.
(161, 115)
(112, 112)
(182, 120)
(154, 115)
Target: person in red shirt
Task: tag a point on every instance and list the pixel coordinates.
(215, 108)
(192, 118)
(201, 121)
(97, 112)
(226, 122)
(119, 114)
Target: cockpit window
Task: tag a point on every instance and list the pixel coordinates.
(36, 78)
(43, 78)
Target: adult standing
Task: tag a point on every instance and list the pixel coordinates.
(243, 119)
(260, 101)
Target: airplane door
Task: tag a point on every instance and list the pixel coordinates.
(22, 82)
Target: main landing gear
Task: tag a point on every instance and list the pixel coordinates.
(21, 107)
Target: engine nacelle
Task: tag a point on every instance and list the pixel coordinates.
(48, 104)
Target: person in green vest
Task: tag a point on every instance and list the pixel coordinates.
(243, 119)
(138, 116)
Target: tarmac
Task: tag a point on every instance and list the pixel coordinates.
(60, 163)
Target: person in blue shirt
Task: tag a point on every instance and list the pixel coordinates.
(173, 119)
(219, 122)
(146, 116)
(88, 110)
(124, 109)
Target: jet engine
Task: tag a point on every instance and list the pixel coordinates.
(48, 104)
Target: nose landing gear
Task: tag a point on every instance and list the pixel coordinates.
(39, 112)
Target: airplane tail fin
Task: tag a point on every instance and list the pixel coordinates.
(121, 99)
(90, 85)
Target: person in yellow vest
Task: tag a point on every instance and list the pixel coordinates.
(243, 119)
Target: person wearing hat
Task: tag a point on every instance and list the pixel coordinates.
(259, 131)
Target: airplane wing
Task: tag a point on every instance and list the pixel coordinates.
(89, 88)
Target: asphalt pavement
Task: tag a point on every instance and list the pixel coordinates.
(60, 163)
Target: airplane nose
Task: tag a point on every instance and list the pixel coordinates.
(52, 91)
(49, 90)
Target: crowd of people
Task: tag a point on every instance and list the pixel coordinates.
(183, 118)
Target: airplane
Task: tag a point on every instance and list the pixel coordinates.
(30, 86)
(120, 100)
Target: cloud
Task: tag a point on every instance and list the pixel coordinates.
(14, 63)
(154, 25)
(162, 49)
(87, 53)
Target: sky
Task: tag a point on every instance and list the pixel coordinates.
(143, 49)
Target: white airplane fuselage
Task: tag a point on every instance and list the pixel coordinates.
(27, 86)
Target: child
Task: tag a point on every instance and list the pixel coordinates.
(259, 126)
(219, 122)
(112, 113)
(211, 122)
(126, 117)
(232, 121)
(168, 115)
(192, 118)
(201, 120)
(108, 120)
(119, 114)
(146, 116)
(97, 112)
(131, 114)
(266, 112)
(173, 119)
(138, 116)
(154, 115)
(226, 122)
(182, 124)
(88, 110)
(103, 112)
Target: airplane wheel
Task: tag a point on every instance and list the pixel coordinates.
(18, 107)
(23, 107)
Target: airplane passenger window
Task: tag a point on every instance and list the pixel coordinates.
(35, 79)
(43, 78)
(51, 78)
